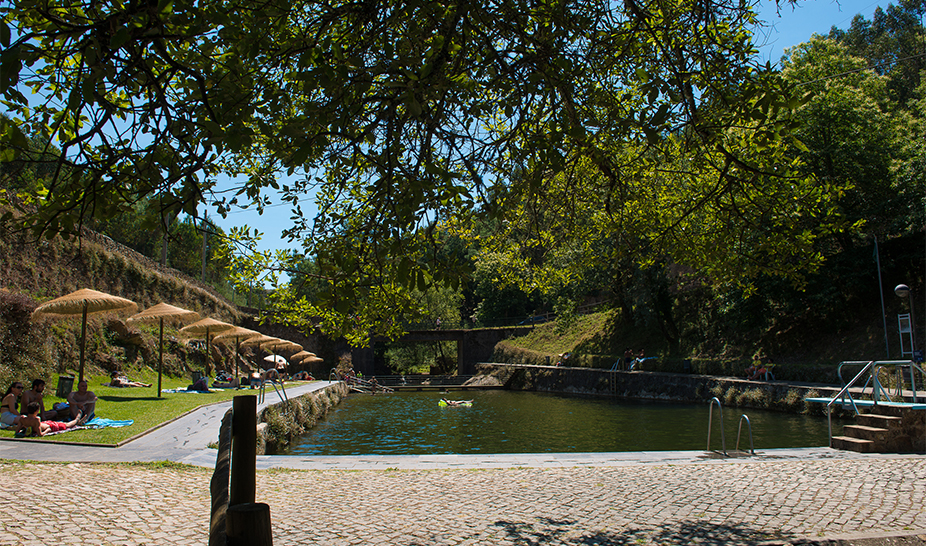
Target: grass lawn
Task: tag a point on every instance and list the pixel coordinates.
(137, 403)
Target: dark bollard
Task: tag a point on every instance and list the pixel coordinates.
(243, 486)
(249, 525)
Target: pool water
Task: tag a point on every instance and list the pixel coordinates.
(529, 422)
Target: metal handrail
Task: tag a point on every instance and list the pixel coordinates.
(842, 394)
(898, 365)
(877, 389)
(359, 384)
(283, 397)
(851, 363)
(752, 449)
(710, 419)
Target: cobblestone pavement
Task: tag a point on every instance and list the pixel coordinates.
(762, 502)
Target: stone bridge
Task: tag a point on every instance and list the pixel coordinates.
(476, 345)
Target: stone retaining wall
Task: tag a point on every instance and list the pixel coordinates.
(656, 386)
(278, 424)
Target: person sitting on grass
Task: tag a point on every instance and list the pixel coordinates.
(200, 385)
(9, 411)
(82, 402)
(33, 422)
(36, 394)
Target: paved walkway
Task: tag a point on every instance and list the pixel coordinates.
(781, 496)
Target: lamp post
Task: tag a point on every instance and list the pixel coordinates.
(903, 291)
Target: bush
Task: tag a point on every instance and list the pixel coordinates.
(21, 345)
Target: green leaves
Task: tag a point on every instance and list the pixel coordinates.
(403, 119)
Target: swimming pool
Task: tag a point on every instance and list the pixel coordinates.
(530, 422)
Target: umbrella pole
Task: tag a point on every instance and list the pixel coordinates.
(237, 350)
(83, 342)
(160, 355)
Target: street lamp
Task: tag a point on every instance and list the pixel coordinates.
(903, 291)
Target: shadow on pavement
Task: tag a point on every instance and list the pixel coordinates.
(546, 531)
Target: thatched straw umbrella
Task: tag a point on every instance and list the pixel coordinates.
(311, 360)
(159, 313)
(202, 329)
(256, 342)
(237, 333)
(298, 357)
(281, 345)
(273, 347)
(82, 302)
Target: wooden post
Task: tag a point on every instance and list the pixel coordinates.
(83, 342)
(218, 487)
(249, 525)
(243, 487)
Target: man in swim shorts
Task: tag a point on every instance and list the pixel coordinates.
(83, 402)
(38, 427)
(37, 394)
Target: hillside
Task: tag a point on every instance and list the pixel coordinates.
(801, 352)
(34, 272)
(806, 332)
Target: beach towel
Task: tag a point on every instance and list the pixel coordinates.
(100, 422)
(96, 422)
(189, 391)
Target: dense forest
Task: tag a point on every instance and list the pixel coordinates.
(719, 205)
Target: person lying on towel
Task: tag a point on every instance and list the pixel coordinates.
(32, 422)
(119, 379)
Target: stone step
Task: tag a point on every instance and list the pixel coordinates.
(852, 444)
(865, 432)
(880, 421)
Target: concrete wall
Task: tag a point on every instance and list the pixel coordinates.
(279, 423)
(656, 386)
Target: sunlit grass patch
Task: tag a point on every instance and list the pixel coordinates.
(140, 404)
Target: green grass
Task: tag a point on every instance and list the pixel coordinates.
(139, 404)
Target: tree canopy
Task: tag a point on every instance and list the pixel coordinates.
(408, 119)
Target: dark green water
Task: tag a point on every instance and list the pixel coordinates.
(527, 422)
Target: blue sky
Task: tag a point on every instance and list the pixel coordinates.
(793, 25)
(797, 24)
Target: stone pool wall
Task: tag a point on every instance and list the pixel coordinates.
(278, 424)
(655, 386)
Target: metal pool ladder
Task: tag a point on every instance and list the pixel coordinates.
(263, 385)
(723, 441)
(752, 449)
(710, 420)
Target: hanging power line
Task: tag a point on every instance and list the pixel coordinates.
(857, 70)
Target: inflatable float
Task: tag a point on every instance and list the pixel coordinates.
(453, 403)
